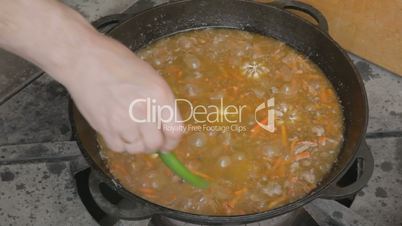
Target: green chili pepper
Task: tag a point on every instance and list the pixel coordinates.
(180, 170)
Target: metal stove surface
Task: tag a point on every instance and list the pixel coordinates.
(38, 159)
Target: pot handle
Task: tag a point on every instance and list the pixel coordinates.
(107, 23)
(121, 210)
(306, 8)
(365, 163)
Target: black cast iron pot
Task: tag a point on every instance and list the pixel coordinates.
(271, 20)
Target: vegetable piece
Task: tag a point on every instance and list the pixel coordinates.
(275, 202)
(284, 135)
(322, 140)
(150, 196)
(202, 175)
(293, 145)
(238, 195)
(325, 96)
(302, 155)
(277, 163)
(281, 172)
(279, 168)
(240, 192)
(172, 198)
(148, 191)
(180, 170)
(174, 70)
(303, 146)
(148, 162)
(119, 170)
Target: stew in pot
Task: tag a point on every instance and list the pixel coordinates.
(245, 81)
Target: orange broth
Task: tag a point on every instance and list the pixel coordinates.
(249, 169)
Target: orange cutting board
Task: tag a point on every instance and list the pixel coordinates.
(371, 29)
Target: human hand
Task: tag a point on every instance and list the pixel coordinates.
(107, 80)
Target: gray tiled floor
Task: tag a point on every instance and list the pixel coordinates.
(40, 194)
(95, 9)
(14, 72)
(36, 114)
(384, 92)
(38, 151)
(381, 200)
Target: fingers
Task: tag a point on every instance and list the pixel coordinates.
(113, 142)
(171, 124)
(129, 132)
(139, 138)
(132, 139)
(172, 132)
(146, 136)
(151, 136)
(135, 147)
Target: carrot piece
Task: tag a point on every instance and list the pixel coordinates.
(293, 145)
(325, 96)
(282, 170)
(150, 196)
(148, 162)
(238, 195)
(227, 207)
(224, 72)
(148, 191)
(174, 70)
(294, 179)
(305, 85)
(172, 198)
(202, 174)
(277, 163)
(309, 187)
(303, 155)
(279, 168)
(240, 192)
(294, 84)
(291, 192)
(284, 135)
(120, 170)
(235, 88)
(232, 203)
(322, 140)
(277, 201)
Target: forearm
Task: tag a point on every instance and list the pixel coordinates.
(47, 33)
(102, 76)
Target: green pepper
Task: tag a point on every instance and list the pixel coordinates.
(181, 170)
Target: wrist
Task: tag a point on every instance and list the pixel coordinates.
(63, 52)
(68, 61)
